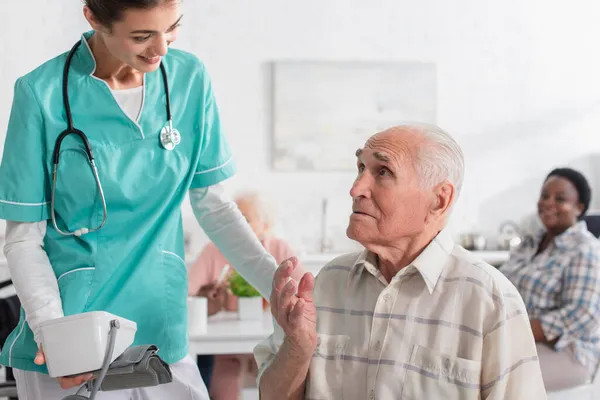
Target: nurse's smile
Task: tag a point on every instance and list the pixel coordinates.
(88, 232)
(150, 60)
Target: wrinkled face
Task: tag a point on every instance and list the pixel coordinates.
(387, 201)
(142, 37)
(559, 205)
(252, 215)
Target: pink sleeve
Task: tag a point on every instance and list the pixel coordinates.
(202, 271)
(281, 251)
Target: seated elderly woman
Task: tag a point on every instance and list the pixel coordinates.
(225, 380)
(557, 272)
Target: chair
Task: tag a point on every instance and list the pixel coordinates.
(9, 318)
(593, 223)
(8, 390)
(588, 391)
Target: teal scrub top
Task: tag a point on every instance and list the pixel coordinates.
(134, 266)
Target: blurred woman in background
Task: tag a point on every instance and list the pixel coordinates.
(557, 272)
(224, 378)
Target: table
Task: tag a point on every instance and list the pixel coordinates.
(226, 334)
(493, 257)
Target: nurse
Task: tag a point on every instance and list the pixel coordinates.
(65, 254)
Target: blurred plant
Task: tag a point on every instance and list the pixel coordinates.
(240, 287)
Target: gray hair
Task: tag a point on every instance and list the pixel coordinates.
(258, 203)
(440, 159)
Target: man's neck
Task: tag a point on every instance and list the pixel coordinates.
(391, 259)
(116, 73)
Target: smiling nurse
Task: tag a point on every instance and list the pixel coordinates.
(103, 144)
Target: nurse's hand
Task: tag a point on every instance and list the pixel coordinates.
(295, 313)
(66, 382)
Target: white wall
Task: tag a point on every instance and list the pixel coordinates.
(518, 87)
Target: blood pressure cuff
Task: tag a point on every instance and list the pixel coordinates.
(138, 366)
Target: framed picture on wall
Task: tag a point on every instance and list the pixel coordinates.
(323, 111)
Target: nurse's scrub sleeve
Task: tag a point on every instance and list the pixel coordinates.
(24, 203)
(216, 162)
(218, 215)
(24, 178)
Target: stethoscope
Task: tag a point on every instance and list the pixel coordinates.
(169, 138)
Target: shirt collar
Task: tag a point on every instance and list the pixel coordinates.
(429, 263)
(365, 261)
(570, 238)
(83, 60)
(432, 260)
(565, 241)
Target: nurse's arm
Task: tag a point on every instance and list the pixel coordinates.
(227, 228)
(32, 275)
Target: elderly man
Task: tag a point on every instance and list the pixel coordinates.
(411, 317)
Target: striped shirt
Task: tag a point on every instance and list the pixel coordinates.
(448, 326)
(561, 288)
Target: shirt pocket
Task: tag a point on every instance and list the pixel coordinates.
(75, 287)
(175, 283)
(433, 375)
(326, 372)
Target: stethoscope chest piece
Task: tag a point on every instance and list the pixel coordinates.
(169, 137)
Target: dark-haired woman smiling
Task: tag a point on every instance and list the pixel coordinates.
(557, 273)
(105, 233)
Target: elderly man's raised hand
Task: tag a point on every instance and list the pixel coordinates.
(295, 313)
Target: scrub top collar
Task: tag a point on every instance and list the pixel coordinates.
(84, 61)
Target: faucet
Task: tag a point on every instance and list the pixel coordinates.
(325, 242)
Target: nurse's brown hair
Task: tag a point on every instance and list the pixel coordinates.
(107, 12)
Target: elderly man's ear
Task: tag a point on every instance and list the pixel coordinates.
(442, 198)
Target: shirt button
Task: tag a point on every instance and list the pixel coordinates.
(372, 395)
(447, 363)
(378, 345)
(387, 298)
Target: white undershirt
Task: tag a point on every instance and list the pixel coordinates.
(130, 101)
(37, 287)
